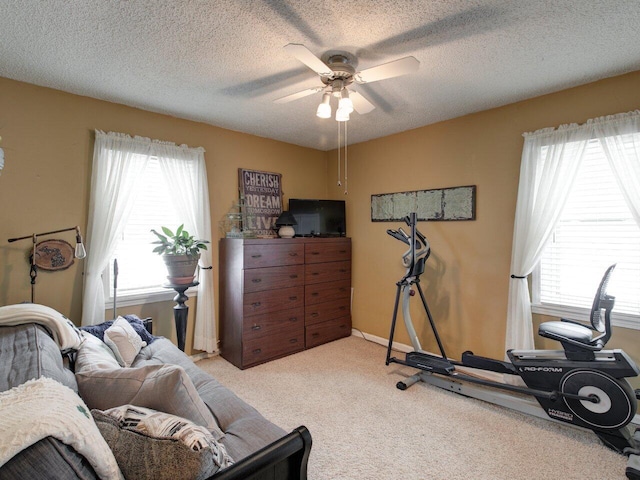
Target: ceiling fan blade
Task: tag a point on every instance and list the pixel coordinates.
(303, 54)
(396, 68)
(295, 96)
(360, 103)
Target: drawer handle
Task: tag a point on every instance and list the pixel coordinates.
(315, 273)
(256, 280)
(293, 298)
(293, 319)
(314, 253)
(293, 340)
(314, 294)
(342, 270)
(343, 251)
(342, 289)
(256, 304)
(257, 350)
(315, 314)
(343, 307)
(315, 335)
(256, 255)
(293, 254)
(343, 325)
(256, 327)
(293, 276)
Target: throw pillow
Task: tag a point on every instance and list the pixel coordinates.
(124, 341)
(94, 354)
(166, 388)
(137, 324)
(143, 452)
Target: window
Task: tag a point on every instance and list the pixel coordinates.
(595, 230)
(141, 272)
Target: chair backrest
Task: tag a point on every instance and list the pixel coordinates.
(601, 302)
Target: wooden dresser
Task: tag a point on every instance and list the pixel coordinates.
(280, 296)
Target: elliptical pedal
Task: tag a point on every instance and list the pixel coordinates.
(430, 363)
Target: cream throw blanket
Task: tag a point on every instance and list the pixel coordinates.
(64, 332)
(41, 408)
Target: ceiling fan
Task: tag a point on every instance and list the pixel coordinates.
(338, 73)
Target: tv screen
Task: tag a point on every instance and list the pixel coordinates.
(319, 218)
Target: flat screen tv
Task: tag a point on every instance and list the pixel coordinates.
(318, 218)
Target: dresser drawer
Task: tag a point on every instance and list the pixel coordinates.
(258, 326)
(270, 278)
(327, 272)
(281, 343)
(268, 301)
(327, 292)
(327, 331)
(327, 252)
(273, 255)
(321, 312)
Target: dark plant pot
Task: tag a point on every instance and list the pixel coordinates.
(181, 268)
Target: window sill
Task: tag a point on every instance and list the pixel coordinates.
(142, 297)
(622, 320)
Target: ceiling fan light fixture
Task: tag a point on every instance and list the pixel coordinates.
(324, 109)
(345, 102)
(342, 115)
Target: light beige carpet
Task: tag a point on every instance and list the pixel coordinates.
(363, 427)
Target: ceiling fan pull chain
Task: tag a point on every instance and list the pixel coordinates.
(339, 182)
(345, 157)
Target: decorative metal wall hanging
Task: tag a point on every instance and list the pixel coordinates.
(455, 203)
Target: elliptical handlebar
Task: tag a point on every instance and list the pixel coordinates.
(418, 245)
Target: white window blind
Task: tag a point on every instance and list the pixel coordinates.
(141, 272)
(596, 229)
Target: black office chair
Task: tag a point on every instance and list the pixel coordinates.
(577, 339)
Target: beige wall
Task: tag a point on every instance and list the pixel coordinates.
(47, 136)
(467, 277)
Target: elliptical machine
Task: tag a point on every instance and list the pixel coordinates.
(583, 384)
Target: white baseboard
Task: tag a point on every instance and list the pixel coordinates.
(203, 356)
(382, 341)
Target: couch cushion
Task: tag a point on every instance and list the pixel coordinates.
(166, 388)
(124, 341)
(48, 458)
(28, 352)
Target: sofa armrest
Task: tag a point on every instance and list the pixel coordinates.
(284, 459)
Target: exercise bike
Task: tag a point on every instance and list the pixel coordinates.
(583, 384)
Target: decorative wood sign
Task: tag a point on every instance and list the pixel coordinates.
(261, 200)
(456, 203)
(54, 255)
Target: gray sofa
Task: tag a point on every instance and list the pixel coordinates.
(259, 449)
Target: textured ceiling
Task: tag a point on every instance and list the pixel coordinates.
(223, 63)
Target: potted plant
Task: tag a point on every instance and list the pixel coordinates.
(180, 252)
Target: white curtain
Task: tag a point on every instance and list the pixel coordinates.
(550, 160)
(186, 167)
(620, 137)
(118, 162)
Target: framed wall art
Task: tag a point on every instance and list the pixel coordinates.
(261, 202)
